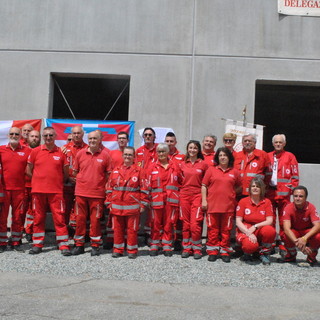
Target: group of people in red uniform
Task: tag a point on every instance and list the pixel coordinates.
(174, 192)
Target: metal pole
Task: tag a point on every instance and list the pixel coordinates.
(64, 98)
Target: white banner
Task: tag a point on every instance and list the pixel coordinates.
(299, 7)
(237, 128)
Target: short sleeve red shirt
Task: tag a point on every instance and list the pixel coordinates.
(117, 158)
(92, 169)
(14, 164)
(209, 158)
(301, 219)
(192, 175)
(221, 189)
(48, 169)
(252, 213)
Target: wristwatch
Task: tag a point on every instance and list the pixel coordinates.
(255, 226)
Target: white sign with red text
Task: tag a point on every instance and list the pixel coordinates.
(299, 7)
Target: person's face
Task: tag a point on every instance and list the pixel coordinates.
(208, 144)
(49, 136)
(171, 142)
(122, 140)
(69, 139)
(193, 150)
(299, 198)
(229, 143)
(255, 190)
(248, 143)
(34, 139)
(14, 135)
(148, 136)
(26, 129)
(94, 139)
(278, 143)
(77, 134)
(162, 154)
(223, 158)
(128, 157)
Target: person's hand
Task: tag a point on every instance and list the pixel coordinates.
(64, 149)
(72, 180)
(251, 230)
(253, 238)
(307, 251)
(301, 243)
(204, 205)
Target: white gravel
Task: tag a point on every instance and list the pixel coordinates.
(165, 269)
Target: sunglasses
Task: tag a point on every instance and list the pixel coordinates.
(48, 135)
(148, 134)
(228, 140)
(14, 134)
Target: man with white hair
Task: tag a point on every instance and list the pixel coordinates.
(285, 177)
(25, 130)
(252, 162)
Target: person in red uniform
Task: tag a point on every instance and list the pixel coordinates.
(14, 158)
(252, 162)
(285, 177)
(229, 140)
(33, 142)
(127, 196)
(164, 181)
(25, 130)
(301, 224)
(208, 144)
(92, 167)
(49, 168)
(146, 155)
(219, 187)
(254, 220)
(193, 170)
(70, 150)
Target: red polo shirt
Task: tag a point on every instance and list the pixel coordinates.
(14, 164)
(252, 213)
(221, 189)
(117, 159)
(301, 219)
(209, 157)
(92, 169)
(48, 169)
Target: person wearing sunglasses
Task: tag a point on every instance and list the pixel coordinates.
(229, 140)
(14, 158)
(48, 168)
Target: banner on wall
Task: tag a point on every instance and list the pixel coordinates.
(7, 124)
(110, 129)
(299, 7)
(240, 130)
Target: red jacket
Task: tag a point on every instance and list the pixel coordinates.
(127, 191)
(288, 173)
(257, 166)
(164, 189)
(145, 156)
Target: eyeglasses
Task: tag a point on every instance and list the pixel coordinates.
(128, 155)
(148, 134)
(48, 135)
(14, 134)
(228, 140)
(122, 138)
(69, 139)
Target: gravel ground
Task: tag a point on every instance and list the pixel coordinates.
(165, 269)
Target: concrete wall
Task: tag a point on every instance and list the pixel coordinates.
(191, 62)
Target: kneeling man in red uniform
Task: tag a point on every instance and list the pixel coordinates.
(301, 224)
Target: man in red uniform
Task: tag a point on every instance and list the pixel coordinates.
(33, 142)
(252, 162)
(14, 158)
(49, 168)
(71, 149)
(301, 224)
(127, 195)
(174, 153)
(145, 156)
(25, 130)
(285, 177)
(91, 167)
(208, 144)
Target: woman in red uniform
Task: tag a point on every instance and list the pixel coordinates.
(164, 180)
(219, 187)
(193, 170)
(254, 217)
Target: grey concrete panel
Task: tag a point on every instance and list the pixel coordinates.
(157, 26)
(254, 28)
(159, 86)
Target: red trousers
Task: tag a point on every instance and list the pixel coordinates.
(219, 232)
(192, 219)
(92, 207)
(265, 236)
(69, 214)
(15, 199)
(313, 242)
(162, 227)
(125, 226)
(40, 201)
(28, 210)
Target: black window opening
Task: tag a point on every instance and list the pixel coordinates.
(90, 97)
(294, 110)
